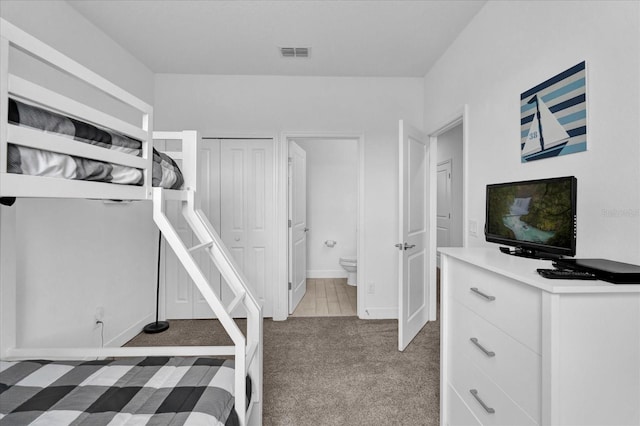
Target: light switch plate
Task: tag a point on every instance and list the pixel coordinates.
(473, 228)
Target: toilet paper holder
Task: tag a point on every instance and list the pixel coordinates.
(330, 243)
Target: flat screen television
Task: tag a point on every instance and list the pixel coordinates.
(536, 217)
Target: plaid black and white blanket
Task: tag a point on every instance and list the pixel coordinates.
(134, 391)
(30, 161)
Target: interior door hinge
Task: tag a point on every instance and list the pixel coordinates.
(289, 286)
(290, 160)
(289, 223)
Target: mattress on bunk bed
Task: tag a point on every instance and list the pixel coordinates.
(131, 391)
(30, 161)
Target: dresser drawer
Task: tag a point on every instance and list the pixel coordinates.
(511, 306)
(458, 413)
(515, 368)
(490, 405)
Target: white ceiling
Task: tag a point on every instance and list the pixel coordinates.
(347, 38)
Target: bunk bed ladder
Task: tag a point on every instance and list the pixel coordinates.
(248, 350)
(243, 293)
(238, 283)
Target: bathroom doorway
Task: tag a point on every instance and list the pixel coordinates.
(332, 216)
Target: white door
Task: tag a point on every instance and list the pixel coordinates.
(247, 209)
(416, 247)
(297, 224)
(182, 300)
(443, 204)
(208, 188)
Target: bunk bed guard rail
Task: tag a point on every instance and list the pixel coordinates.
(14, 86)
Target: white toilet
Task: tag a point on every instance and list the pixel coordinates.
(349, 263)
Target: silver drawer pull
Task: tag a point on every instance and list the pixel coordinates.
(479, 293)
(482, 348)
(488, 409)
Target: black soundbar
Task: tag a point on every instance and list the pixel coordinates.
(604, 269)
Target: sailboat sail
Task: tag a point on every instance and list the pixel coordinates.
(550, 129)
(532, 144)
(554, 133)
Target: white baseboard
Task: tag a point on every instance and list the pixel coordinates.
(326, 273)
(380, 313)
(130, 332)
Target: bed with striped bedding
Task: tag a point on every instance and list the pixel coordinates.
(129, 391)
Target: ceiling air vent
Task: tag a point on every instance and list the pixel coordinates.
(295, 52)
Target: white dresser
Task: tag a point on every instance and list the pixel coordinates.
(519, 349)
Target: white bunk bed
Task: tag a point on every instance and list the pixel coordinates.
(246, 349)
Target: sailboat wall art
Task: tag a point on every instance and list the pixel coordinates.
(553, 116)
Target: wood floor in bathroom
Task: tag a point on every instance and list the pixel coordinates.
(327, 297)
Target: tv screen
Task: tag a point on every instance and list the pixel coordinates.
(536, 216)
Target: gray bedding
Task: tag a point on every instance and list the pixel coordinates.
(29, 161)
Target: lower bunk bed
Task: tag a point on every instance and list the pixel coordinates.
(187, 387)
(177, 385)
(130, 391)
(54, 147)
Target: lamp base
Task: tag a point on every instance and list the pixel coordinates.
(156, 327)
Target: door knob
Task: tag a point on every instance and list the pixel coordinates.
(306, 229)
(405, 246)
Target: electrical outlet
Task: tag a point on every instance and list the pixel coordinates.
(372, 288)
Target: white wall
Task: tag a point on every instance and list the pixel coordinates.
(332, 204)
(269, 105)
(450, 148)
(510, 47)
(76, 255)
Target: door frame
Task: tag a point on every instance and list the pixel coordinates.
(460, 116)
(281, 296)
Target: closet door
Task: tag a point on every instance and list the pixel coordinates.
(246, 213)
(209, 190)
(182, 298)
(178, 286)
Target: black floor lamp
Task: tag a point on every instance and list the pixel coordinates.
(157, 326)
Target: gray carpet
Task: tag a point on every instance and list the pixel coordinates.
(334, 371)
